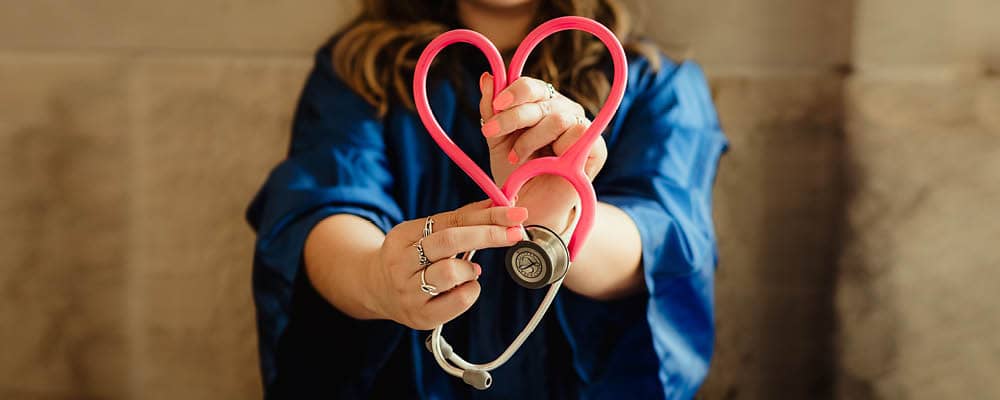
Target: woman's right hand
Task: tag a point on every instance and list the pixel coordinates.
(394, 275)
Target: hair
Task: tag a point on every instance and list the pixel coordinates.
(376, 54)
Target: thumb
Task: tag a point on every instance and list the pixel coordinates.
(486, 103)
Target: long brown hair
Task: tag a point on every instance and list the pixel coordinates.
(375, 54)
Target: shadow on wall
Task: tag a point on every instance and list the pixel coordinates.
(778, 72)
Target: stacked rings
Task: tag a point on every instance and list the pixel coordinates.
(424, 261)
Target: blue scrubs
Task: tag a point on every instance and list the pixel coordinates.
(664, 147)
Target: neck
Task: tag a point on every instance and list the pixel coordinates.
(505, 26)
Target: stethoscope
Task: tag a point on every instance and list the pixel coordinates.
(543, 258)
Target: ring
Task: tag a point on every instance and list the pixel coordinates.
(424, 261)
(428, 226)
(424, 287)
(481, 122)
(552, 90)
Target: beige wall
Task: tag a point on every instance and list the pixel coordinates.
(853, 209)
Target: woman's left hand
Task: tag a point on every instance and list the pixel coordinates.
(533, 120)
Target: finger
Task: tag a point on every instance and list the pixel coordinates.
(486, 102)
(596, 159)
(598, 151)
(445, 307)
(412, 230)
(523, 90)
(504, 216)
(449, 273)
(541, 135)
(570, 137)
(519, 117)
(449, 242)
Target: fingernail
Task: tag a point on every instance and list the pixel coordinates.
(514, 234)
(517, 214)
(503, 101)
(512, 157)
(491, 128)
(482, 81)
(479, 269)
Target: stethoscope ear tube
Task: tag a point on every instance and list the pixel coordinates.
(445, 355)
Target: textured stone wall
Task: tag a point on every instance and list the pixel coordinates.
(132, 136)
(777, 72)
(853, 208)
(919, 274)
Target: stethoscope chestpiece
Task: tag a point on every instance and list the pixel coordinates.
(538, 261)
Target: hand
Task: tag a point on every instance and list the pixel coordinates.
(531, 122)
(395, 273)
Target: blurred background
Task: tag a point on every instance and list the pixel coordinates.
(856, 210)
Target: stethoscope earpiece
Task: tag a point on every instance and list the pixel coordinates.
(471, 374)
(477, 378)
(538, 261)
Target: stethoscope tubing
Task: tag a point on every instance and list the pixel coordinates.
(569, 166)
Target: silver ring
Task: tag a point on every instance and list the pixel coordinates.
(481, 122)
(552, 90)
(424, 261)
(428, 226)
(426, 288)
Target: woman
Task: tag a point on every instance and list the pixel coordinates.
(337, 278)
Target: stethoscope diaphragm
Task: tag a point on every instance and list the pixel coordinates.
(538, 261)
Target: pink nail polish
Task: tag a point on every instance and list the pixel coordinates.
(504, 100)
(517, 214)
(512, 157)
(491, 128)
(514, 234)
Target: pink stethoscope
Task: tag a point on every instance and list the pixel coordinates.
(542, 259)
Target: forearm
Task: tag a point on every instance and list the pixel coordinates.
(337, 254)
(608, 265)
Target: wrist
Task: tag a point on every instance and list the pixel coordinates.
(372, 286)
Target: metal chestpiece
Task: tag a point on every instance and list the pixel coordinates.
(538, 261)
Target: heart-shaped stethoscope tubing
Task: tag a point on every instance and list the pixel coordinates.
(569, 165)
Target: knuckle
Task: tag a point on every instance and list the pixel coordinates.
(467, 297)
(456, 219)
(507, 120)
(497, 234)
(522, 113)
(450, 238)
(562, 121)
(522, 86)
(449, 271)
(544, 107)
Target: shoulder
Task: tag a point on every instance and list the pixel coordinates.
(664, 84)
(329, 111)
(324, 81)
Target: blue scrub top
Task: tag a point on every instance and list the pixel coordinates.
(664, 146)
